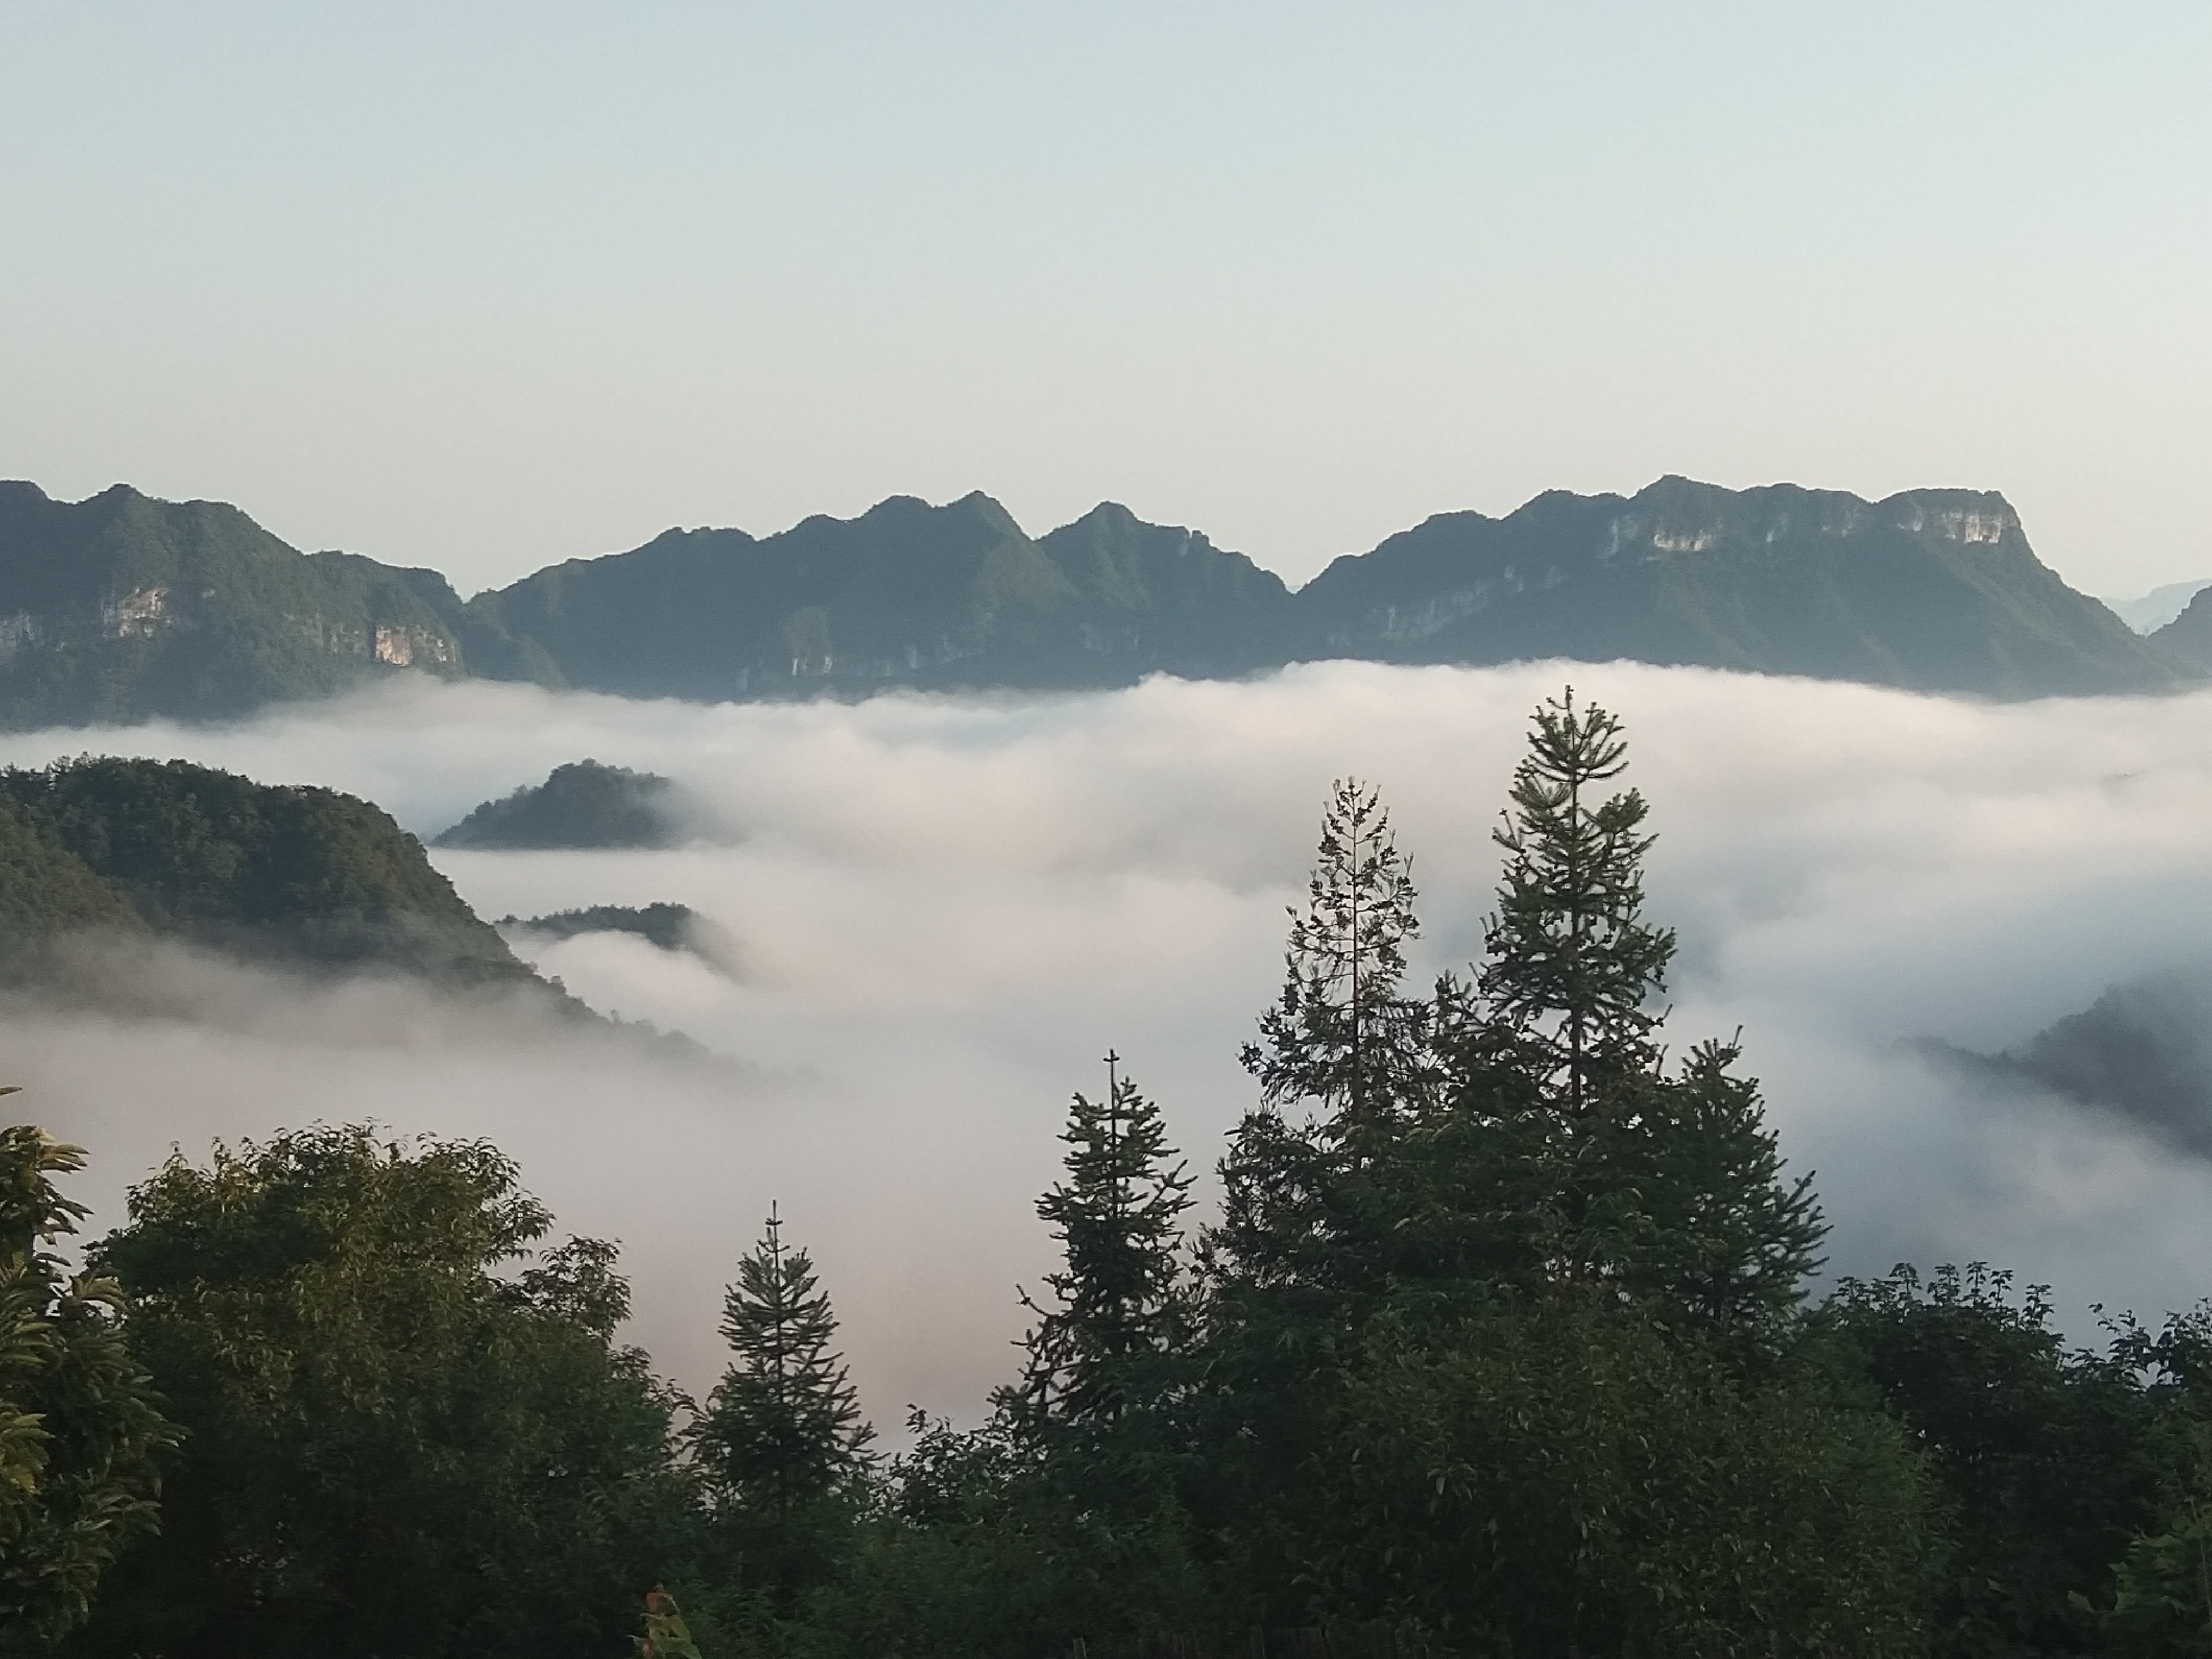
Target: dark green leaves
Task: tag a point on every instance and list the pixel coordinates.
(81, 1434)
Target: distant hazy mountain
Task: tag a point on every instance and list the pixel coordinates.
(2153, 610)
(2187, 639)
(670, 927)
(120, 606)
(664, 925)
(2143, 1049)
(1934, 589)
(906, 594)
(583, 804)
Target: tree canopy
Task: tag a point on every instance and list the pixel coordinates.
(1500, 1343)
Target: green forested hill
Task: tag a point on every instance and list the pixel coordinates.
(273, 871)
(582, 803)
(121, 607)
(906, 594)
(1933, 589)
(45, 888)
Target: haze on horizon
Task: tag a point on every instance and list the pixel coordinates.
(487, 289)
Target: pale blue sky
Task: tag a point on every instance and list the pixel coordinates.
(484, 286)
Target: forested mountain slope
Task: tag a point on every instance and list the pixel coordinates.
(2187, 639)
(957, 596)
(1934, 589)
(121, 607)
(583, 804)
(288, 872)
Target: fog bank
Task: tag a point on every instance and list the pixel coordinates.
(944, 910)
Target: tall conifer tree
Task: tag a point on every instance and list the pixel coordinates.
(1119, 1311)
(783, 1427)
(1345, 1062)
(1668, 1189)
(1571, 967)
(1342, 1038)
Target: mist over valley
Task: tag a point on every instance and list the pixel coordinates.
(938, 912)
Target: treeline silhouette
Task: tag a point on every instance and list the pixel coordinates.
(1500, 1345)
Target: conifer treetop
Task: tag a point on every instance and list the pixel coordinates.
(1341, 1036)
(1118, 1298)
(784, 1424)
(1569, 962)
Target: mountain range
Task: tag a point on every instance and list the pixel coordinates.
(121, 607)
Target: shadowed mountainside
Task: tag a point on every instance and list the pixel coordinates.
(582, 803)
(2142, 1050)
(2188, 638)
(121, 607)
(907, 595)
(281, 872)
(1933, 590)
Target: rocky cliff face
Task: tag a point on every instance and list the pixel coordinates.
(121, 606)
(1937, 590)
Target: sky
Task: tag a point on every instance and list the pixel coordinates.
(945, 910)
(487, 286)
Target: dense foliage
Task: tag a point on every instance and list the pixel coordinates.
(299, 873)
(671, 927)
(80, 1432)
(582, 803)
(394, 1445)
(1497, 1345)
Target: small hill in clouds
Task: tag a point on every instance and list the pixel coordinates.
(2142, 1051)
(668, 926)
(281, 873)
(121, 607)
(582, 803)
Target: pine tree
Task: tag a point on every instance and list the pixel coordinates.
(1120, 1312)
(1571, 968)
(1568, 1137)
(782, 1428)
(1341, 1037)
(1346, 1044)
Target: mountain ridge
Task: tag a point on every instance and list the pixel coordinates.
(122, 607)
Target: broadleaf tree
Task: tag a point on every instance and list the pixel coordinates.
(396, 1442)
(81, 1436)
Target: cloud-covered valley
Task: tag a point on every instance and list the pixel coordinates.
(944, 910)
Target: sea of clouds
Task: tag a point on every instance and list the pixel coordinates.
(945, 911)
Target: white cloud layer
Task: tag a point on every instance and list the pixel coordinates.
(945, 910)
